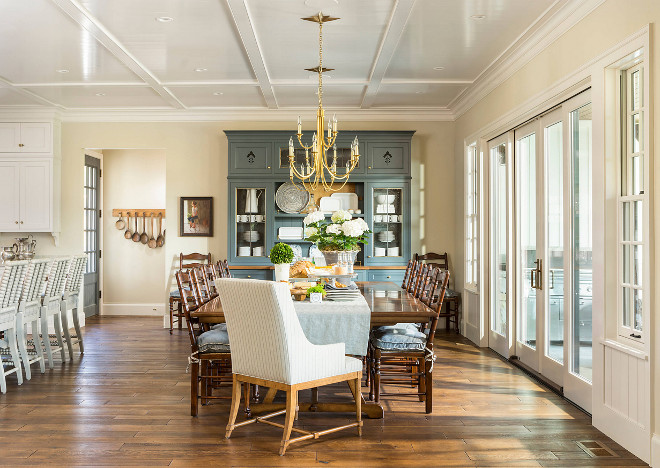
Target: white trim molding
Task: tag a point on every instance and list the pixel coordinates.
(556, 21)
(151, 310)
(655, 450)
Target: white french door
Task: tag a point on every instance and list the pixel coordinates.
(540, 204)
(500, 286)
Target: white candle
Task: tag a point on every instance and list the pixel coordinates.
(334, 123)
(299, 126)
(291, 146)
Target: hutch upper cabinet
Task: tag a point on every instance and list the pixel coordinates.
(29, 177)
(259, 165)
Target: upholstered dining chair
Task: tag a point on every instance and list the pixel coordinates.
(12, 276)
(277, 354)
(398, 346)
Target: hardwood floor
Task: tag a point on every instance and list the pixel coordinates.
(126, 402)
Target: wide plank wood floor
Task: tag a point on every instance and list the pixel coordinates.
(126, 403)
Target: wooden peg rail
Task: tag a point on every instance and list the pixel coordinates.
(140, 212)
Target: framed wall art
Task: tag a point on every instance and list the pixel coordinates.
(196, 217)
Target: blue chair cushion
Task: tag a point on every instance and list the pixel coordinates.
(398, 339)
(213, 341)
(219, 326)
(410, 326)
(175, 293)
(451, 293)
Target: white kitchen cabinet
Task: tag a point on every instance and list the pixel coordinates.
(9, 196)
(26, 196)
(26, 137)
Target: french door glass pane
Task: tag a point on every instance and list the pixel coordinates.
(581, 159)
(555, 241)
(526, 165)
(498, 318)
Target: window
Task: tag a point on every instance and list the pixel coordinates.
(632, 205)
(472, 218)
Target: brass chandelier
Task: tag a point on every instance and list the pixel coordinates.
(312, 173)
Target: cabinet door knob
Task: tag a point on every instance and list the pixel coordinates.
(368, 256)
(21, 222)
(388, 277)
(249, 276)
(21, 145)
(268, 167)
(16, 222)
(369, 167)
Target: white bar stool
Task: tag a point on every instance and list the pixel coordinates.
(72, 287)
(28, 314)
(50, 307)
(11, 286)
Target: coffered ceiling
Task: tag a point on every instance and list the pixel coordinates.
(197, 55)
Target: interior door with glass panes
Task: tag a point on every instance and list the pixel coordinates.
(500, 286)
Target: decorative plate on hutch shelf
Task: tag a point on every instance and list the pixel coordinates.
(291, 198)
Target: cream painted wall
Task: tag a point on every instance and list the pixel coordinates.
(601, 30)
(132, 272)
(196, 162)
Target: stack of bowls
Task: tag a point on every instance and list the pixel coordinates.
(251, 236)
(386, 236)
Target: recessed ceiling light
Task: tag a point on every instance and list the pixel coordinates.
(201, 69)
(62, 71)
(438, 68)
(419, 92)
(164, 19)
(100, 94)
(478, 17)
(218, 93)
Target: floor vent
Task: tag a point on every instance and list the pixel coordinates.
(596, 449)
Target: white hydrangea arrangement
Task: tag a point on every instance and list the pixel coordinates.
(343, 232)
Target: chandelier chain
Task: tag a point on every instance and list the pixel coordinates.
(321, 64)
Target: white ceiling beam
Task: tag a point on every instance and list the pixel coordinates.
(24, 92)
(248, 35)
(395, 27)
(92, 25)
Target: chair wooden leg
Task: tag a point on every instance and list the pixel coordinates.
(376, 375)
(248, 412)
(37, 346)
(46, 338)
(204, 370)
(194, 388)
(65, 329)
(233, 411)
(57, 324)
(355, 385)
(291, 405)
(421, 381)
(171, 316)
(429, 386)
(179, 311)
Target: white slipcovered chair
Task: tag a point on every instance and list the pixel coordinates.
(269, 348)
(12, 275)
(51, 307)
(28, 314)
(70, 296)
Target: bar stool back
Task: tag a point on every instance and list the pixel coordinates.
(12, 277)
(74, 280)
(50, 307)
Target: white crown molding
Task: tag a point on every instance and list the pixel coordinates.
(556, 21)
(29, 114)
(254, 114)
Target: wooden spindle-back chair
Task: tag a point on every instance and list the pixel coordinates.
(452, 299)
(186, 262)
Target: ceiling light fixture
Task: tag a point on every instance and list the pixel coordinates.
(100, 94)
(62, 71)
(164, 19)
(478, 17)
(419, 92)
(201, 69)
(312, 173)
(438, 68)
(218, 93)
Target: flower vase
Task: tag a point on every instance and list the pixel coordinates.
(282, 271)
(332, 256)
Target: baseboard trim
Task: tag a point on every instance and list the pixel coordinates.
(151, 310)
(655, 450)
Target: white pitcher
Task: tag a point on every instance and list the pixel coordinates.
(252, 201)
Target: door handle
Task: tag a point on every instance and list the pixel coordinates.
(537, 274)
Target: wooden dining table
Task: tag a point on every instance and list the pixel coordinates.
(389, 304)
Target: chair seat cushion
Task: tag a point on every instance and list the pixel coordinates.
(410, 326)
(451, 293)
(213, 341)
(398, 339)
(219, 326)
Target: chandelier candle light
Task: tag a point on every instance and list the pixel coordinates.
(312, 172)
